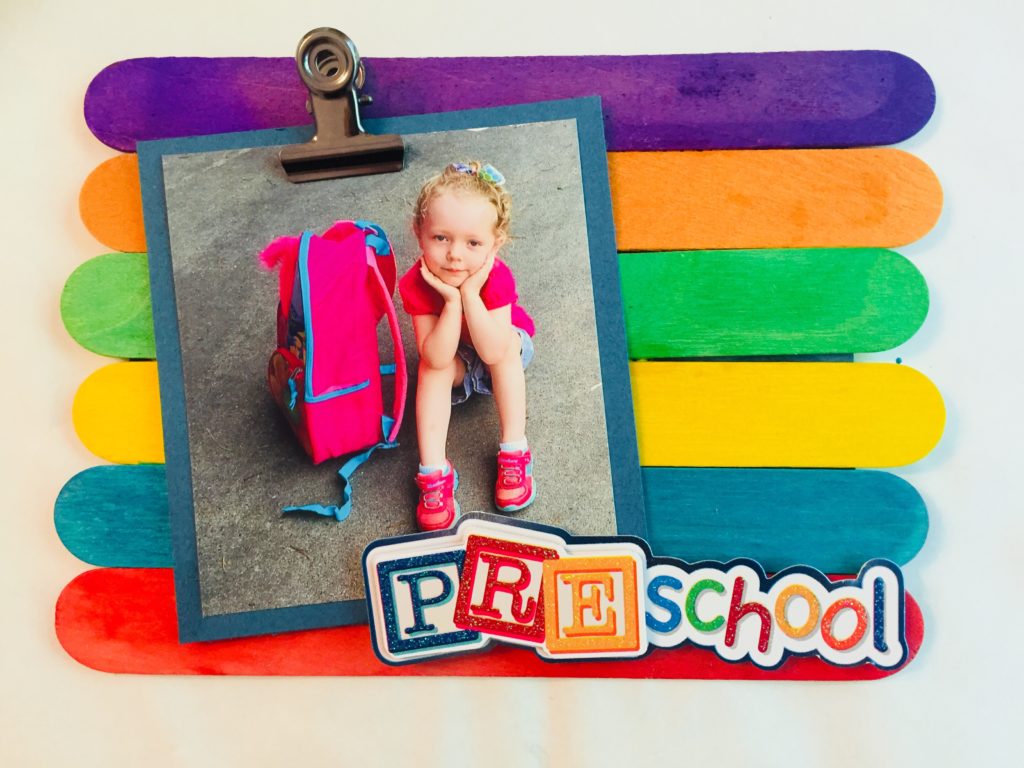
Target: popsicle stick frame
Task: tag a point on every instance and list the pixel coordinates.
(908, 86)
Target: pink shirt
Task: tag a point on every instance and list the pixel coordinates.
(418, 298)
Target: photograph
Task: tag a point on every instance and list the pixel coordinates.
(498, 267)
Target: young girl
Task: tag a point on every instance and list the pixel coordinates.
(471, 334)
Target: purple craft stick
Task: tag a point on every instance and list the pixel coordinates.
(671, 102)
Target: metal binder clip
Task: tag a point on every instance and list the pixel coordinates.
(330, 67)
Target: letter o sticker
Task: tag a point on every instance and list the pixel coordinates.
(797, 590)
(858, 633)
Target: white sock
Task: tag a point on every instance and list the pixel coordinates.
(515, 445)
(432, 469)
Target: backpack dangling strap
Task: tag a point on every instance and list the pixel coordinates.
(345, 473)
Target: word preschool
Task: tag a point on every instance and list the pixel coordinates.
(434, 595)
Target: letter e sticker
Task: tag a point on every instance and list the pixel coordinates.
(593, 607)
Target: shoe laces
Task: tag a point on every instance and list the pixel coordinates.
(510, 470)
(431, 492)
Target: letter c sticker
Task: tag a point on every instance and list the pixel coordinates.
(691, 605)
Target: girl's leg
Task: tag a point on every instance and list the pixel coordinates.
(434, 408)
(509, 385)
(514, 488)
(437, 508)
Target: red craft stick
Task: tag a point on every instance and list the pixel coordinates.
(123, 620)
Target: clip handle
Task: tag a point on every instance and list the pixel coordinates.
(330, 68)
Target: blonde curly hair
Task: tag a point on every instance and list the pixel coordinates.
(457, 180)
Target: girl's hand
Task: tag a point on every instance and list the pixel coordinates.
(471, 285)
(448, 292)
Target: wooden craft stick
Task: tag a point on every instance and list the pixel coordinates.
(682, 304)
(117, 516)
(771, 199)
(124, 620)
(687, 414)
(784, 414)
(682, 200)
(106, 306)
(677, 101)
(110, 204)
(116, 413)
(769, 302)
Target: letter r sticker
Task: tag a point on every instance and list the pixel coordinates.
(500, 592)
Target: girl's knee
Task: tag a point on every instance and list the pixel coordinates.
(514, 352)
(450, 376)
(511, 362)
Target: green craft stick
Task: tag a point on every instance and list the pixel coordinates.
(678, 304)
(770, 302)
(106, 307)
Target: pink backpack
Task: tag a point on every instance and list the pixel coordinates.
(326, 374)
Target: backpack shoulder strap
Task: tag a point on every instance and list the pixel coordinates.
(378, 240)
(391, 425)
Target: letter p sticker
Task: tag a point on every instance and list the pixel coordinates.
(413, 606)
(418, 601)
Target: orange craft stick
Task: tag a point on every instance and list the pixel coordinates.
(779, 198)
(786, 198)
(110, 204)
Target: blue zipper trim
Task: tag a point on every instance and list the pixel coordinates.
(337, 392)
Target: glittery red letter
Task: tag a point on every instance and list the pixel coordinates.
(738, 609)
(495, 563)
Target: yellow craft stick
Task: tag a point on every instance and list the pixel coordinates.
(117, 413)
(785, 198)
(784, 414)
(688, 414)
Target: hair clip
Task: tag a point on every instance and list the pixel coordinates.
(488, 173)
(491, 175)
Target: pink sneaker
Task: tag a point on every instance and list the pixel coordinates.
(437, 508)
(515, 489)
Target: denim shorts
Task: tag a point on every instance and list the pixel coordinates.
(478, 376)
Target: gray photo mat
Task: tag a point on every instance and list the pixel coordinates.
(222, 208)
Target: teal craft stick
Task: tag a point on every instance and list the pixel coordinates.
(116, 516)
(833, 520)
